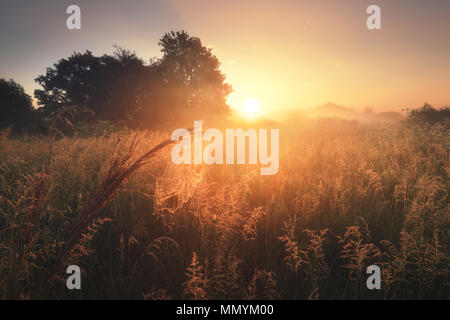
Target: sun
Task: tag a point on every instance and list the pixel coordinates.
(251, 107)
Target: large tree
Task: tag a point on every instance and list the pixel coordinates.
(193, 84)
(186, 84)
(16, 110)
(108, 85)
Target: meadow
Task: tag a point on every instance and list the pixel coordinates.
(347, 195)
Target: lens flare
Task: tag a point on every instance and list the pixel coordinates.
(251, 107)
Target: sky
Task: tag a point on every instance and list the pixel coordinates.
(291, 54)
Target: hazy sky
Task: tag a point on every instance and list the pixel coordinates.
(286, 54)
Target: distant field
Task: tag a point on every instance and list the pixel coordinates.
(346, 196)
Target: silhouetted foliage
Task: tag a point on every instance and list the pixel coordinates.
(16, 110)
(192, 82)
(427, 115)
(107, 85)
(185, 84)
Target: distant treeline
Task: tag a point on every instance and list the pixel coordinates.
(428, 115)
(123, 90)
(185, 84)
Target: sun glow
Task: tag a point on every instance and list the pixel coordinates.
(251, 107)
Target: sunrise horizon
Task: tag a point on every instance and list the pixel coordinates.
(238, 158)
(322, 53)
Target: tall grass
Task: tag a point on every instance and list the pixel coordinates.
(346, 196)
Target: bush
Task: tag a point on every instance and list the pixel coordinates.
(427, 115)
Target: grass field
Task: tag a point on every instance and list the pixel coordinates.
(347, 195)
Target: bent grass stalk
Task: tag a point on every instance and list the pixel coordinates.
(119, 170)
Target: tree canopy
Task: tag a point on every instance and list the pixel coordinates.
(185, 84)
(16, 109)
